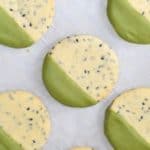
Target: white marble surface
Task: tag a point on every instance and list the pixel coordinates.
(21, 69)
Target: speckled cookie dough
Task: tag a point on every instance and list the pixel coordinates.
(33, 18)
(25, 119)
(131, 113)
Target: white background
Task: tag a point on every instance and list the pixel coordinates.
(21, 69)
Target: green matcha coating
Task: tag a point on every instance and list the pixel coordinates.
(11, 33)
(128, 23)
(121, 135)
(62, 87)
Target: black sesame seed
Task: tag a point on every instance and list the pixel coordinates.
(97, 87)
(119, 107)
(30, 24)
(30, 119)
(85, 59)
(143, 103)
(77, 40)
(53, 47)
(142, 13)
(100, 45)
(102, 58)
(141, 117)
(28, 109)
(87, 87)
(146, 99)
(50, 53)
(85, 71)
(23, 15)
(33, 141)
(11, 9)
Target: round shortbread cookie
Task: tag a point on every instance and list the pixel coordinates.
(128, 119)
(24, 121)
(131, 19)
(24, 22)
(80, 70)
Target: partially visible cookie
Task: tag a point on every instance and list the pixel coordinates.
(24, 121)
(131, 19)
(127, 122)
(23, 22)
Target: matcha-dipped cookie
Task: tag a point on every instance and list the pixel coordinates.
(82, 148)
(80, 71)
(131, 19)
(127, 123)
(24, 121)
(23, 22)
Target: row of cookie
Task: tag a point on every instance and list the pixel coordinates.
(24, 22)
